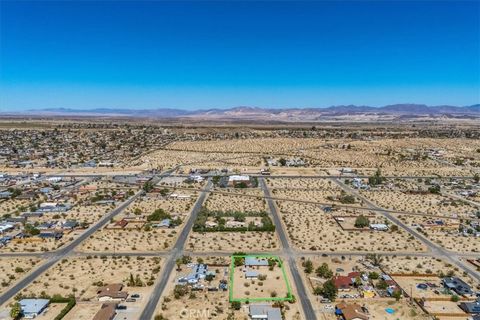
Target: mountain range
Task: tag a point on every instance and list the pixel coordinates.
(342, 112)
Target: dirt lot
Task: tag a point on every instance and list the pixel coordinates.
(402, 309)
(127, 240)
(13, 269)
(273, 286)
(310, 229)
(147, 204)
(232, 241)
(419, 203)
(207, 304)
(447, 236)
(83, 311)
(410, 285)
(12, 205)
(35, 244)
(438, 307)
(81, 275)
(224, 202)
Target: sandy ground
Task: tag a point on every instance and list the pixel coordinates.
(224, 202)
(232, 241)
(448, 236)
(403, 309)
(36, 244)
(302, 184)
(80, 275)
(14, 205)
(13, 269)
(135, 238)
(310, 229)
(149, 203)
(128, 240)
(435, 307)
(211, 305)
(273, 285)
(83, 311)
(419, 203)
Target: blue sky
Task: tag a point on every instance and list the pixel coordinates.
(191, 55)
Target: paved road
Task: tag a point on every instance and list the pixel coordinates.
(63, 252)
(99, 175)
(177, 251)
(353, 207)
(302, 293)
(456, 196)
(66, 250)
(436, 250)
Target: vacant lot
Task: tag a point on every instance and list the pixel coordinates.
(83, 276)
(429, 204)
(13, 269)
(127, 240)
(311, 229)
(228, 202)
(250, 241)
(446, 236)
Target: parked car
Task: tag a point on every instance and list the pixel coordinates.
(121, 307)
(135, 296)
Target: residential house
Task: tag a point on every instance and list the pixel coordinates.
(165, 223)
(4, 227)
(199, 271)
(264, 311)
(255, 262)
(5, 194)
(112, 292)
(32, 308)
(107, 312)
(237, 179)
(351, 311)
(343, 283)
(234, 224)
(379, 227)
(471, 307)
(457, 285)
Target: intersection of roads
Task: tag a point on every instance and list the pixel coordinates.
(289, 253)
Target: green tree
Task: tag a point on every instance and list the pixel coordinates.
(374, 258)
(347, 199)
(209, 277)
(397, 294)
(236, 305)
(158, 215)
(324, 271)
(148, 186)
(329, 290)
(434, 189)
(308, 266)
(178, 262)
(382, 285)
(376, 179)
(16, 311)
(361, 222)
(373, 275)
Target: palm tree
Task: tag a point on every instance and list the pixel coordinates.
(375, 259)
